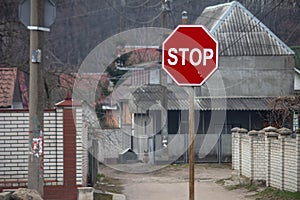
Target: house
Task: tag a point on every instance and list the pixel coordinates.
(255, 67)
(297, 80)
(296, 115)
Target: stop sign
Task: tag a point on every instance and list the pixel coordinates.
(190, 55)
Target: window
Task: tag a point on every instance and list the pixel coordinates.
(154, 76)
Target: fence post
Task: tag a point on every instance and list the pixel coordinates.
(298, 158)
(251, 135)
(242, 131)
(283, 133)
(270, 132)
(236, 149)
(70, 145)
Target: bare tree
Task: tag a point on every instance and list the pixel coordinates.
(283, 109)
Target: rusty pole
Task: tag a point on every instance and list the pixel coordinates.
(184, 19)
(191, 145)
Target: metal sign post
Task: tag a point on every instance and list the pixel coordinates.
(191, 144)
(190, 57)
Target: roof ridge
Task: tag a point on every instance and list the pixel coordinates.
(235, 5)
(261, 24)
(224, 16)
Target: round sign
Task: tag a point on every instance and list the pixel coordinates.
(190, 55)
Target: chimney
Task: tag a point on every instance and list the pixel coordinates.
(184, 17)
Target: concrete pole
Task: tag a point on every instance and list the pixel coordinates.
(164, 14)
(164, 99)
(36, 99)
(191, 144)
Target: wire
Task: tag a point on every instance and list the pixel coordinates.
(133, 20)
(152, 20)
(222, 20)
(138, 6)
(243, 35)
(84, 15)
(155, 5)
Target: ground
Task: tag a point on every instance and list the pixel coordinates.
(171, 183)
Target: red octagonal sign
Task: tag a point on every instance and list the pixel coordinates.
(190, 55)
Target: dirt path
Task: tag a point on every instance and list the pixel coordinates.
(171, 183)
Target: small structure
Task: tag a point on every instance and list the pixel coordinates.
(127, 156)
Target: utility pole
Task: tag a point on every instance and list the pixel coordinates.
(121, 26)
(36, 98)
(164, 100)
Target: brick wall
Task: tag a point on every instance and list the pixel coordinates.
(13, 148)
(65, 149)
(271, 155)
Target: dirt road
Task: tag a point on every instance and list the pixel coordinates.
(171, 183)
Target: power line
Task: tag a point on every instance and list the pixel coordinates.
(155, 5)
(93, 12)
(133, 20)
(251, 28)
(222, 20)
(229, 46)
(138, 6)
(116, 10)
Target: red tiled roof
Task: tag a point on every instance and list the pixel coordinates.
(7, 85)
(143, 55)
(84, 84)
(139, 55)
(83, 81)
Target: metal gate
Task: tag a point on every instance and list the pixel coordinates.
(214, 148)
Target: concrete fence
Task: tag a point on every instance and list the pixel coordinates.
(271, 155)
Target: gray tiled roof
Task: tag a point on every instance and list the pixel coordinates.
(239, 32)
(238, 103)
(148, 97)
